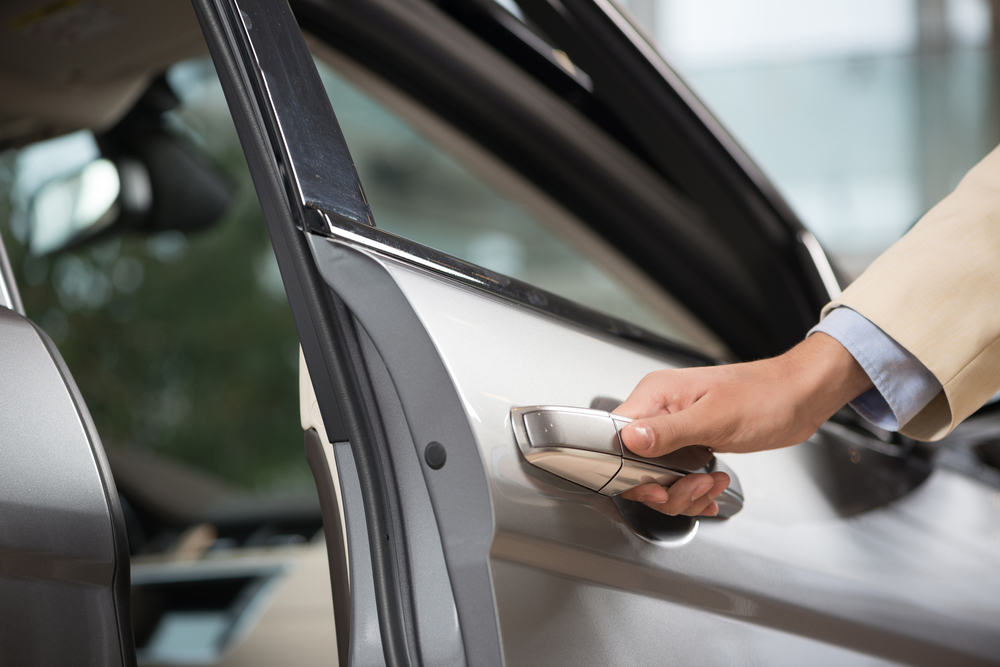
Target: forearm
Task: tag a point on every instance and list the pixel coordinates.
(829, 377)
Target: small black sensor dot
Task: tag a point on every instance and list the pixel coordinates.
(435, 455)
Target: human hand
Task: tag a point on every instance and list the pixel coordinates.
(691, 495)
(745, 407)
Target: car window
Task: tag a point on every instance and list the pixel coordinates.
(183, 345)
(418, 190)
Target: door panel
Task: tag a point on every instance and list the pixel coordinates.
(545, 615)
(790, 571)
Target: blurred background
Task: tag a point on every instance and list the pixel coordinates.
(182, 344)
(864, 113)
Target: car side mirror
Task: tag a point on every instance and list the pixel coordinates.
(64, 585)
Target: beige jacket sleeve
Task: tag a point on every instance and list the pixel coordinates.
(937, 293)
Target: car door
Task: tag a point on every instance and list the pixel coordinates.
(455, 549)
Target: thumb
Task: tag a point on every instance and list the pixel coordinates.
(656, 436)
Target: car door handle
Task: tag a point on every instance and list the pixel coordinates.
(584, 446)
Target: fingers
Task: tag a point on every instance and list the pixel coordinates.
(721, 483)
(692, 495)
(688, 495)
(650, 494)
(712, 508)
(699, 507)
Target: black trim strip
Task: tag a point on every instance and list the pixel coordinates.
(322, 330)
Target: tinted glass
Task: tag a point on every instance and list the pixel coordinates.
(419, 191)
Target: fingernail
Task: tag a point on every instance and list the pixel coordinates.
(701, 490)
(641, 437)
(652, 499)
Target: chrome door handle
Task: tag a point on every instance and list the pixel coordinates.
(584, 446)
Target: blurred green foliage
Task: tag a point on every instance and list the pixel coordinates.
(181, 346)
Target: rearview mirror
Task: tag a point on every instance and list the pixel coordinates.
(74, 207)
(155, 183)
(138, 176)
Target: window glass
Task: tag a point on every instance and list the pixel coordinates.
(864, 114)
(418, 191)
(182, 345)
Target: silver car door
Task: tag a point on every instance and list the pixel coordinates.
(460, 551)
(582, 579)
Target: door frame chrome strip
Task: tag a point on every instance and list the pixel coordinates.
(368, 237)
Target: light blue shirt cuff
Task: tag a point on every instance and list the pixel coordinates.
(903, 385)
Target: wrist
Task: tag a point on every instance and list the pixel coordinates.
(825, 375)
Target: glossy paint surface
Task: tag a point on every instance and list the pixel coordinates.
(57, 547)
(915, 581)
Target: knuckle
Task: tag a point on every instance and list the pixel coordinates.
(673, 507)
